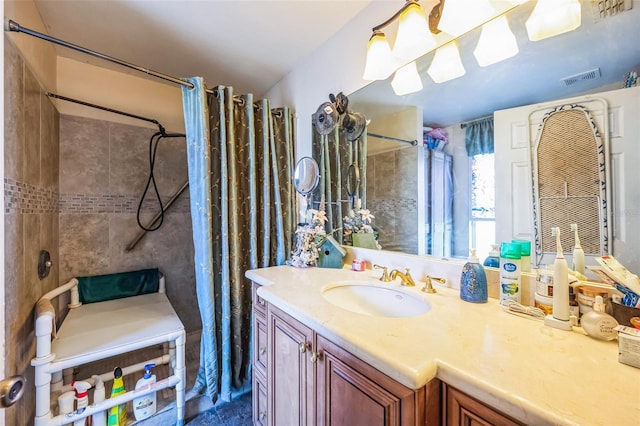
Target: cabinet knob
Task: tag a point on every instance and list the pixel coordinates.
(315, 357)
(302, 346)
(263, 351)
(261, 301)
(262, 415)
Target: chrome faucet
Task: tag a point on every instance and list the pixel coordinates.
(428, 286)
(405, 278)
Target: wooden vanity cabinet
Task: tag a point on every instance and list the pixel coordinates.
(259, 361)
(312, 381)
(460, 409)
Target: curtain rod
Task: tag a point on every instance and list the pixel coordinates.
(412, 142)
(100, 107)
(466, 123)
(15, 27)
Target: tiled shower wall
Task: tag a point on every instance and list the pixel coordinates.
(104, 168)
(31, 216)
(392, 189)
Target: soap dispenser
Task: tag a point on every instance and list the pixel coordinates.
(473, 283)
(493, 260)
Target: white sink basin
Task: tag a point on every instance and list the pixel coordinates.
(374, 299)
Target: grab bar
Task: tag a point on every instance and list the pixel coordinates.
(142, 233)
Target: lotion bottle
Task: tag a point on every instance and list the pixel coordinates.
(596, 323)
(145, 406)
(473, 283)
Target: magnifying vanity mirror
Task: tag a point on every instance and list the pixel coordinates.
(353, 183)
(306, 176)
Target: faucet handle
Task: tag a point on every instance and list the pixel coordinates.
(385, 274)
(428, 286)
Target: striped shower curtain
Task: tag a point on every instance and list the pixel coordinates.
(240, 155)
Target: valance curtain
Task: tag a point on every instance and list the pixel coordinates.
(479, 137)
(240, 161)
(334, 154)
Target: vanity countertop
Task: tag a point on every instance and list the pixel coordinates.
(533, 373)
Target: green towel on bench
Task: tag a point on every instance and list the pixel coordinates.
(99, 288)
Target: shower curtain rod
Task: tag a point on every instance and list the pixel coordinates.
(100, 107)
(15, 27)
(375, 135)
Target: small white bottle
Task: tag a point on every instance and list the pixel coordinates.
(578, 253)
(145, 406)
(596, 323)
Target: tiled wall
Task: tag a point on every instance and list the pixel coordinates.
(31, 219)
(103, 172)
(392, 190)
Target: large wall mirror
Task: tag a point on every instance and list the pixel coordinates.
(400, 179)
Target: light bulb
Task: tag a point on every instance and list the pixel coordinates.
(380, 62)
(446, 64)
(406, 80)
(496, 42)
(552, 17)
(414, 38)
(460, 16)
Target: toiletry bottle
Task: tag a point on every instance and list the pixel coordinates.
(82, 399)
(99, 418)
(560, 317)
(509, 273)
(525, 254)
(578, 253)
(596, 323)
(473, 284)
(493, 260)
(145, 406)
(117, 414)
(574, 307)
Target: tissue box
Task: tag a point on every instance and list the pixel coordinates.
(628, 346)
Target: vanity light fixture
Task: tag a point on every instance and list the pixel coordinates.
(496, 42)
(446, 64)
(413, 40)
(460, 16)
(552, 17)
(407, 80)
(380, 61)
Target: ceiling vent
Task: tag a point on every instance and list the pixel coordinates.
(583, 76)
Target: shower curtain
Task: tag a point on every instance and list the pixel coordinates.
(334, 154)
(240, 156)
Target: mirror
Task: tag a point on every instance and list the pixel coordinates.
(353, 182)
(306, 176)
(590, 59)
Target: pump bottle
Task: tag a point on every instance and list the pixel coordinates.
(145, 406)
(473, 284)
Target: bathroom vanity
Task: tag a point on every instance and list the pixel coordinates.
(317, 363)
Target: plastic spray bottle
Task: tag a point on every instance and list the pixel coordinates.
(82, 398)
(145, 406)
(117, 414)
(578, 253)
(560, 317)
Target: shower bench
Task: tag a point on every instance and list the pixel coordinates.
(99, 330)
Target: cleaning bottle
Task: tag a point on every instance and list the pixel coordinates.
(596, 323)
(145, 406)
(99, 418)
(509, 273)
(117, 414)
(525, 254)
(578, 253)
(560, 317)
(473, 284)
(493, 260)
(82, 399)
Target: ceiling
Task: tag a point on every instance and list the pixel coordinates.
(250, 45)
(253, 44)
(534, 75)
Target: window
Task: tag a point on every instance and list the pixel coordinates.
(483, 218)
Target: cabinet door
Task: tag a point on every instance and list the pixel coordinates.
(290, 375)
(463, 410)
(352, 393)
